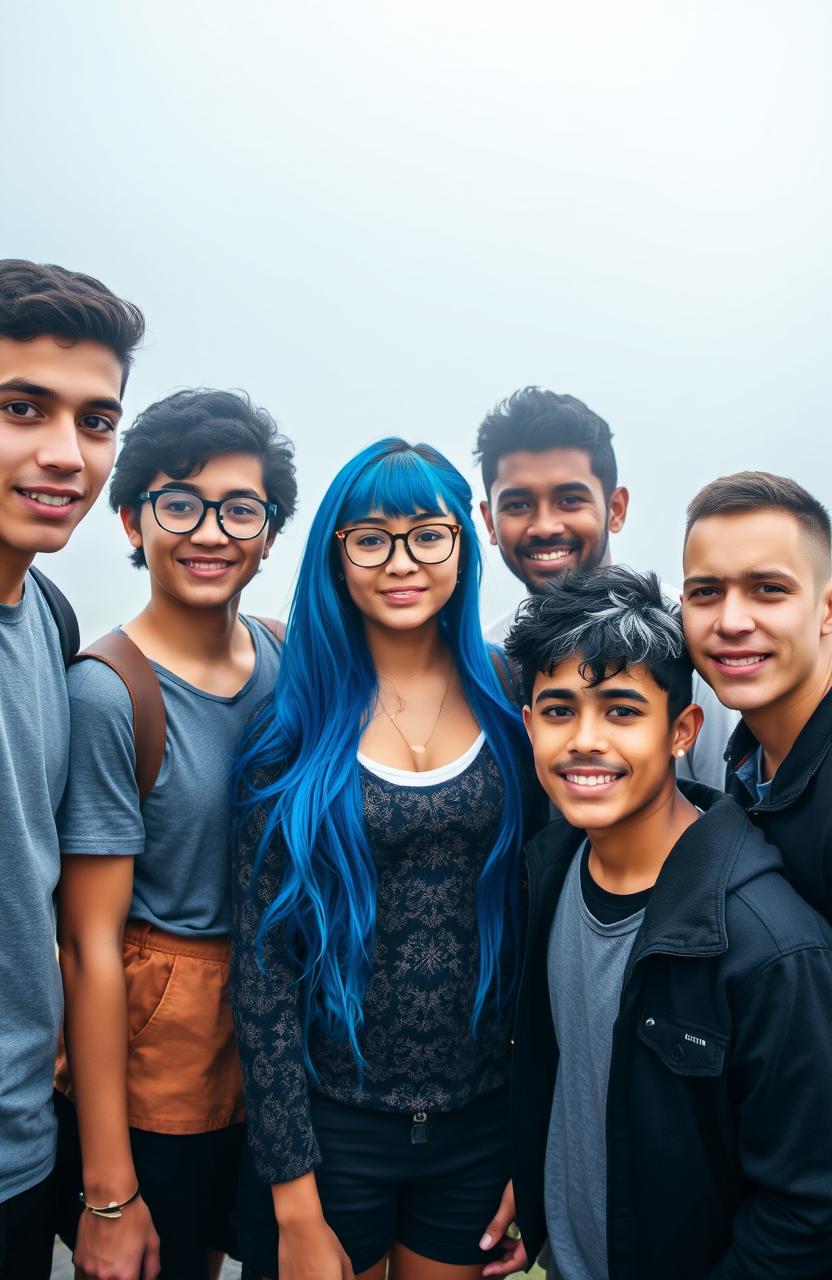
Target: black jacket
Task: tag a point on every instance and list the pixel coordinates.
(719, 1108)
(797, 813)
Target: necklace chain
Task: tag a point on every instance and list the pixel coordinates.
(418, 748)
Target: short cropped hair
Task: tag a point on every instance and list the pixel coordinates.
(39, 299)
(761, 491)
(179, 434)
(613, 619)
(534, 419)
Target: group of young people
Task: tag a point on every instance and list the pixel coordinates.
(379, 935)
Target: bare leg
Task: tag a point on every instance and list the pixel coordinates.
(407, 1265)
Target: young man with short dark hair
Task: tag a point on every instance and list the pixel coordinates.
(552, 502)
(757, 611)
(66, 344)
(204, 482)
(673, 1010)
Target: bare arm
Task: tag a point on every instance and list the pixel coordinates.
(308, 1249)
(94, 898)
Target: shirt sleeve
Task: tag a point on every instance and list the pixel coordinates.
(782, 1064)
(266, 1016)
(100, 811)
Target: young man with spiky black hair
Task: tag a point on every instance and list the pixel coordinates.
(66, 346)
(757, 610)
(673, 1015)
(552, 503)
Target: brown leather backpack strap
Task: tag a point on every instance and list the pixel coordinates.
(121, 655)
(278, 629)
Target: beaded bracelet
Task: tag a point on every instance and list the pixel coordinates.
(111, 1210)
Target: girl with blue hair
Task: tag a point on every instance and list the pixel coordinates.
(384, 792)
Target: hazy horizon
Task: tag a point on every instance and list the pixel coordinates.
(382, 219)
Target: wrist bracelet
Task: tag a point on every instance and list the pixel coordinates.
(111, 1210)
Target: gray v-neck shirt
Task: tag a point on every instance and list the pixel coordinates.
(586, 964)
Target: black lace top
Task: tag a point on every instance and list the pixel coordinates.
(429, 845)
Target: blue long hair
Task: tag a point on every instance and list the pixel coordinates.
(311, 729)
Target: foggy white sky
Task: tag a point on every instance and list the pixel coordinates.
(381, 217)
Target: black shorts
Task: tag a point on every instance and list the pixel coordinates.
(431, 1186)
(27, 1233)
(188, 1182)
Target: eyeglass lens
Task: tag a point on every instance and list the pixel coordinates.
(180, 512)
(429, 544)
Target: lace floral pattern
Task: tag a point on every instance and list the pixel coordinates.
(429, 845)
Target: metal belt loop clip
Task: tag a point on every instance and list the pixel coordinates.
(419, 1129)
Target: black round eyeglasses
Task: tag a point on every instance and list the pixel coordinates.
(369, 548)
(179, 511)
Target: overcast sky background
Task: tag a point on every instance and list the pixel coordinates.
(382, 217)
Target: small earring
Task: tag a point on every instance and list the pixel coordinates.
(340, 576)
(680, 752)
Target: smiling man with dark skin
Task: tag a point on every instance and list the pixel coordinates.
(552, 502)
(673, 1006)
(757, 609)
(65, 351)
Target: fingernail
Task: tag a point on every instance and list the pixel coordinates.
(485, 1243)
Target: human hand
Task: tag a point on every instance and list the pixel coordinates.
(496, 1234)
(308, 1249)
(125, 1248)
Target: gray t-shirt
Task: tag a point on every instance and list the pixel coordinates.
(34, 744)
(179, 837)
(586, 964)
(705, 762)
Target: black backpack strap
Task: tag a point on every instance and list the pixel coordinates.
(121, 655)
(63, 613)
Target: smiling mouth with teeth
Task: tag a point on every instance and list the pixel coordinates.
(49, 499)
(749, 661)
(552, 553)
(207, 564)
(591, 779)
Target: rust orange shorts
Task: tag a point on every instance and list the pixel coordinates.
(183, 1072)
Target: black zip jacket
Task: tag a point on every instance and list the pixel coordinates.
(797, 813)
(719, 1107)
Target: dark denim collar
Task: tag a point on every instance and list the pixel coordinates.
(686, 911)
(800, 765)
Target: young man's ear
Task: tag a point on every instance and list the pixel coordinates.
(826, 620)
(485, 508)
(527, 720)
(269, 543)
(686, 730)
(130, 519)
(619, 502)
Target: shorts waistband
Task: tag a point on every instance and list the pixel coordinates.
(147, 937)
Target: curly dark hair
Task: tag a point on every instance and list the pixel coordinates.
(535, 419)
(38, 299)
(612, 618)
(179, 434)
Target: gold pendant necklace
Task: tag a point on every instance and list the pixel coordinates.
(418, 748)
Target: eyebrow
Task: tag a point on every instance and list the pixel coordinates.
(571, 486)
(196, 490)
(609, 695)
(749, 575)
(47, 393)
(417, 519)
